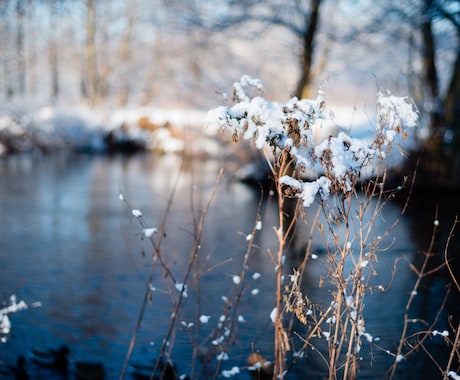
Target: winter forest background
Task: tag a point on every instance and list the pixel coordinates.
(116, 76)
(182, 54)
(176, 53)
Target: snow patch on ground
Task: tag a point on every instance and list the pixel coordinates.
(97, 129)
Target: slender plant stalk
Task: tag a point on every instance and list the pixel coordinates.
(420, 274)
(155, 257)
(456, 343)
(192, 259)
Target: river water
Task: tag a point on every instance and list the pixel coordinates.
(69, 246)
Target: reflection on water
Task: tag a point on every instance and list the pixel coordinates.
(67, 241)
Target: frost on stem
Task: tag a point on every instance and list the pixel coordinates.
(204, 318)
(148, 232)
(231, 372)
(136, 213)
(182, 288)
(5, 324)
(333, 165)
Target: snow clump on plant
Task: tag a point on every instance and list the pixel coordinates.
(337, 163)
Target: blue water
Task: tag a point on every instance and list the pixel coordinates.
(69, 243)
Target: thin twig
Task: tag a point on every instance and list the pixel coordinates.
(451, 234)
(193, 256)
(156, 256)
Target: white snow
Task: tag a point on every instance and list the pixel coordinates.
(14, 306)
(216, 342)
(137, 213)
(5, 323)
(182, 288)
(222, 356)
(337, 161)
(204, 318)
(236, 280)
(442, 333)
(230, 372)
(80, 127)
(148, 232)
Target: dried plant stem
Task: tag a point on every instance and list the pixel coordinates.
(456, 343)
(281, 340)
(242, 275)
(193, 256)
(451, 234)
(453, 353)
(420, 274)
(155, 257)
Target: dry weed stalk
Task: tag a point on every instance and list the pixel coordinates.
(156, 237)
(330, 171)
(455, 344)
(334, 174)
(157, 255)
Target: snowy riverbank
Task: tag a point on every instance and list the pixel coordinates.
(96, 130)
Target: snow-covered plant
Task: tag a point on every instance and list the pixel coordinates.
(336, 163)
(5, 323)
(329, 172)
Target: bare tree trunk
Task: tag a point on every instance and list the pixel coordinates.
(429, 62)
(440, 158)
(414, 82)
(304, 85)
(5, 76)
(92, 79)
(452, 99)
(103, 66)
(32, 50)
(125, 55)
(452, 117)
(53, 52)
(20, 47)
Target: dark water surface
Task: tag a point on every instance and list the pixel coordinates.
(68, 242)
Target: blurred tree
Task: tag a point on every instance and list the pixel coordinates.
(5, 30)
(124, 53)
(32, 50)
(301, 18)
(53, 50)
(450, 11)
(442, 158)
(432, 27)
(91, 85)
(13, 47)
(20, 47)
(308, 37)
